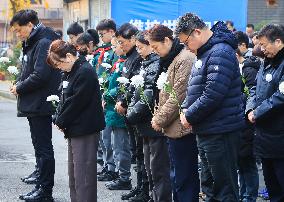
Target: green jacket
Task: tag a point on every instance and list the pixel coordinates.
(103, 54)
(112, 118)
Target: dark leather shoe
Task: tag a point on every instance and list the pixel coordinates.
(33, 174)
(39, 195)
(108, 176)
(31, 180)
(143, 196)
(131, 194)
(21, 196)
(119, 185)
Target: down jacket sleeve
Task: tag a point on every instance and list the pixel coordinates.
(271, 103)
(169, 112)
(42, 71)
(219, 75)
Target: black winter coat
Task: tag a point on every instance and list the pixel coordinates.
(132, 67)
(138, 112)
(267, 102)
(214, 97)
(80, 110)
(250, 68)
(37, 80)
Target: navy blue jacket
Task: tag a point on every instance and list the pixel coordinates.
(214, 97)
(267, 102)
(37, 80)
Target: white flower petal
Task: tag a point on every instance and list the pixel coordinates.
(122, 80)
(106, 65)
(13, 70)
(268, 77)
(137, 81)
(52, 98)
(4, 60)
(281, 87)
(162, 80)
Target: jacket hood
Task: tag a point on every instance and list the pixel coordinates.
(221, 34)
(252, 62)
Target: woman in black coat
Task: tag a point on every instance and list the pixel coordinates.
(140, 114)
(80, 116)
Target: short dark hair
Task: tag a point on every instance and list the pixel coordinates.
(23, 17)
(141, 37)
(106, 24)
(75, 29)
(189, 22)
(159, 32)
(58, 50)
(126, 31)
(272, 32)
(229, 22)
(88, 36)
(241, 38)
(59, 32)
(250, 25)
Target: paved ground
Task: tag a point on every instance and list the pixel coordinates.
(17, 159)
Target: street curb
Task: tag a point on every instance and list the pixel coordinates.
(8, 95)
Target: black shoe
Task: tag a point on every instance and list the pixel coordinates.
(21, 196)
(131, 194)
(31, 180)
(108, 176)
(100, 162)
(33, 174)
(39, 195)
(143, 196)
(119, 185)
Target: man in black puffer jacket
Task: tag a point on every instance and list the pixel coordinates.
(213, 105)
(36, 82)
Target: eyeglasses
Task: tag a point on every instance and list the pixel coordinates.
(186, 41)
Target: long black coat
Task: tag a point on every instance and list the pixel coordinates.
(139, 113)
(80, 111)
(267, 102)
(37, 79)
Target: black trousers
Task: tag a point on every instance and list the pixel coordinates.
(158, 168)
(184, 168)
(219, 157)
(273, 172)
(41, 134)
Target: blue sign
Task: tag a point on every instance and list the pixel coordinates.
(145, 13)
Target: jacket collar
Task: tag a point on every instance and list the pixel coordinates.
(276, 61)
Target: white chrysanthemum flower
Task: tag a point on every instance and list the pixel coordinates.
(162, 80)
(142, 72)
(137, 81)
(89, 57)
(268, 77)
(4, 60)
(106, 65)
(101, 81)
(13, 70)
(25, 58)
(52, 98)
(281, 87)
(122, 80)
(106, 54)
(198, 64)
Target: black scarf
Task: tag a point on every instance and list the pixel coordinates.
(167, 60)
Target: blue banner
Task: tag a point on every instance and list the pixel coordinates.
(145, 13)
